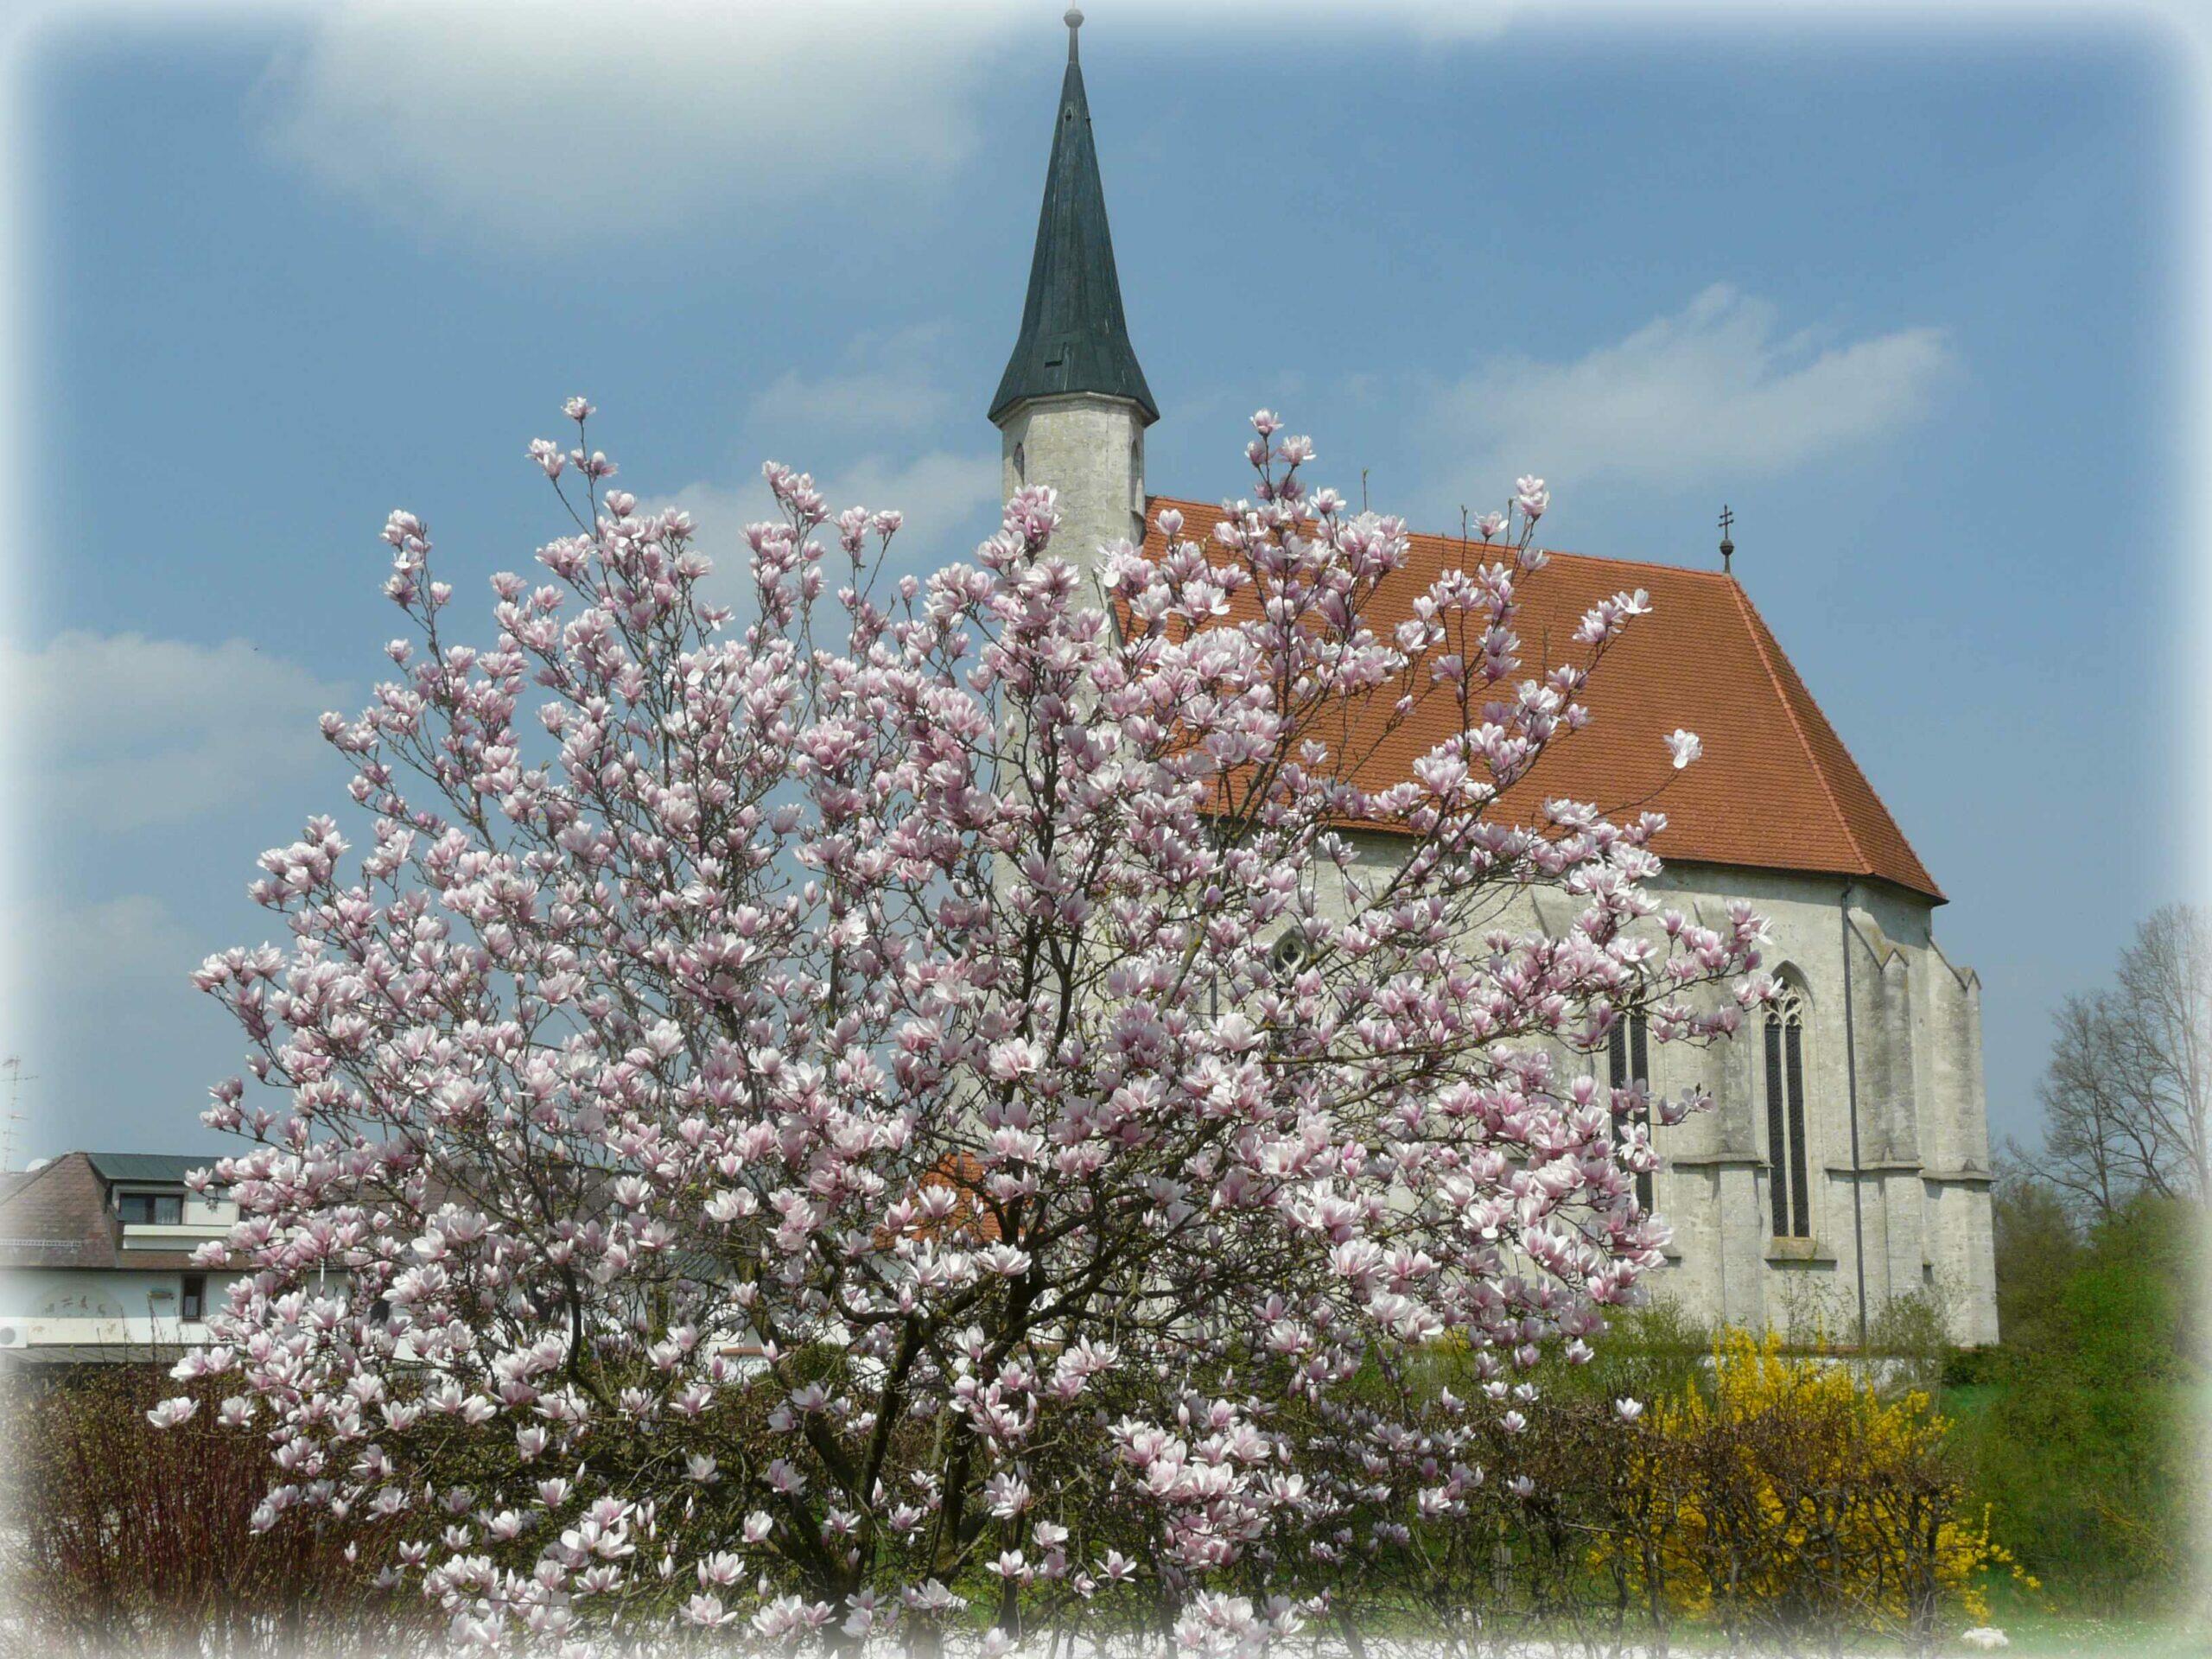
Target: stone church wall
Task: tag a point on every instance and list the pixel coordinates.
(1921, 1177)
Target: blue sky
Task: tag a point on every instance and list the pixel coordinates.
(1912, 303)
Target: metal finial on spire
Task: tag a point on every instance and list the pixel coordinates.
(1073, 19)
(1727, 547)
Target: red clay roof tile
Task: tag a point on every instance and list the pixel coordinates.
(1775, 789)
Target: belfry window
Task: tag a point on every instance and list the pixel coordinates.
(1627, 1055)
(1785, 1116)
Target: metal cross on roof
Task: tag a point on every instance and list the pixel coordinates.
(1727, 547)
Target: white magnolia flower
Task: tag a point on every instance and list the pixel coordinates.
(170, 1412)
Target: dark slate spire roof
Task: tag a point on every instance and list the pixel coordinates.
(1073, 335)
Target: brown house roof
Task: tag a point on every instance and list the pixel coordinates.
(57, 1216)
(1776, 788)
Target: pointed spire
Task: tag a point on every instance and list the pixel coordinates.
(1073, 335)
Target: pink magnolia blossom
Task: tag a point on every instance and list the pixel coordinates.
(799, 1088)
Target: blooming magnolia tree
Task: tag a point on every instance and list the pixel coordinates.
(902, 1101)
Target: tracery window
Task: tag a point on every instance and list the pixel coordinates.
(1628, 1054)
(1786, 1188)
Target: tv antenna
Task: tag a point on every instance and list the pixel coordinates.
(13, 1066)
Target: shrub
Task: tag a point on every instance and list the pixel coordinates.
(1972, 1368)
(129, 1537)
(1802, 1502)
(1911, 1335)
(2037, 1251)
(1791, 1499)
(2091, 1442)
(1653, 1352)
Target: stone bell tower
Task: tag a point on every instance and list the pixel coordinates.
(1073, 406)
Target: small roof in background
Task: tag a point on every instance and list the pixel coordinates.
(59, 1215)
(165, 1167)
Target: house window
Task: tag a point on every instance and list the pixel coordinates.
(1628, 1058)
(151, 1209)
(1785, 1116)
(193, 1305)
(1020, 466)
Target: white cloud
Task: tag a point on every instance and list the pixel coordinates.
(562, 120)
(830, 424)
(887, 382)
(119, 731)
(132, 935)
(942, 495)
(937, 492)
(1716, 389)
(61, 957)
(116, 1045)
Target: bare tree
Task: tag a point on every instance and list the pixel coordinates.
(2127, 1099)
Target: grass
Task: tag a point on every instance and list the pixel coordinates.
(1966, 1406)
(2042, 1634)
(2033, 1633)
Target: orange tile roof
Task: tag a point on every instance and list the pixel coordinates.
(1776, 788)
(971, 1217)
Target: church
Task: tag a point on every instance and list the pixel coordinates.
(1845, 1162)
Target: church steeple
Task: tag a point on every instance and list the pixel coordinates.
(1074, 339)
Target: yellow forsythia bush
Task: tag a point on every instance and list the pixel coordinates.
(1796, 1499)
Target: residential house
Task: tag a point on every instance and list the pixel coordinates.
(96, 1261)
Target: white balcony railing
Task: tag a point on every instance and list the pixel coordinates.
(171, 1236)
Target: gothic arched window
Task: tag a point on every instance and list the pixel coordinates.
(1627, 1055)
(1785, 1116)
